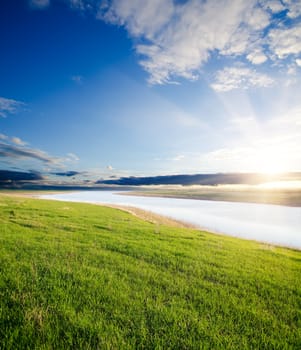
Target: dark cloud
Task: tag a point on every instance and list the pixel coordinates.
(67, 173)
(10, 178)
(197, 179)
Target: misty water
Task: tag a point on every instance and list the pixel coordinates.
(274, 224)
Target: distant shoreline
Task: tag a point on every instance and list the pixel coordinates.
(285, 197)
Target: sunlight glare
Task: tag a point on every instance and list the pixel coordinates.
(269, 161)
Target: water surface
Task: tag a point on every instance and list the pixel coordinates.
(274, 224)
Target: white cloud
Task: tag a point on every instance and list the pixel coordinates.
(257, 57)
(258, 18)
(284, 42)
(14, 140)
(239, 77)
(40, 4)
(182, 37)
(18, 141)
(72, 157)
(144, 18)
(298, 62)
(8, 106)
(274, 6)
(175, 39)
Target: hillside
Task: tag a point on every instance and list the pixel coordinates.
(80, 276)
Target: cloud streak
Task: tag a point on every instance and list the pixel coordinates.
(39, 4)
(14, 140)
(9, 106)
(13, 149)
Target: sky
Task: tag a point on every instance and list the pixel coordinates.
(94, 89)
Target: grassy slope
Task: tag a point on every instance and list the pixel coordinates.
(77, 276)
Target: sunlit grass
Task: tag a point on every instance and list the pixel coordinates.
(79, 276)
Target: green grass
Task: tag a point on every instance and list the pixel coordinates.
(79, 276)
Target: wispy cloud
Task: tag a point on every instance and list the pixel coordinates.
(39, 4)
(83, 4)
(9, 106)
(71, 157)
(240, 77)
(14, 140)
(77, 79)
(3, 137)
(11, 151)
(18, 141)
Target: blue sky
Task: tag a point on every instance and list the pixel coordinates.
(134, 87)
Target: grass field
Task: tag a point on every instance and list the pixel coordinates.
(79, 276)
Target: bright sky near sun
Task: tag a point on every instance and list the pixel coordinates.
(139, 87)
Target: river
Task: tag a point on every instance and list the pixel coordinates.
(268, 223)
